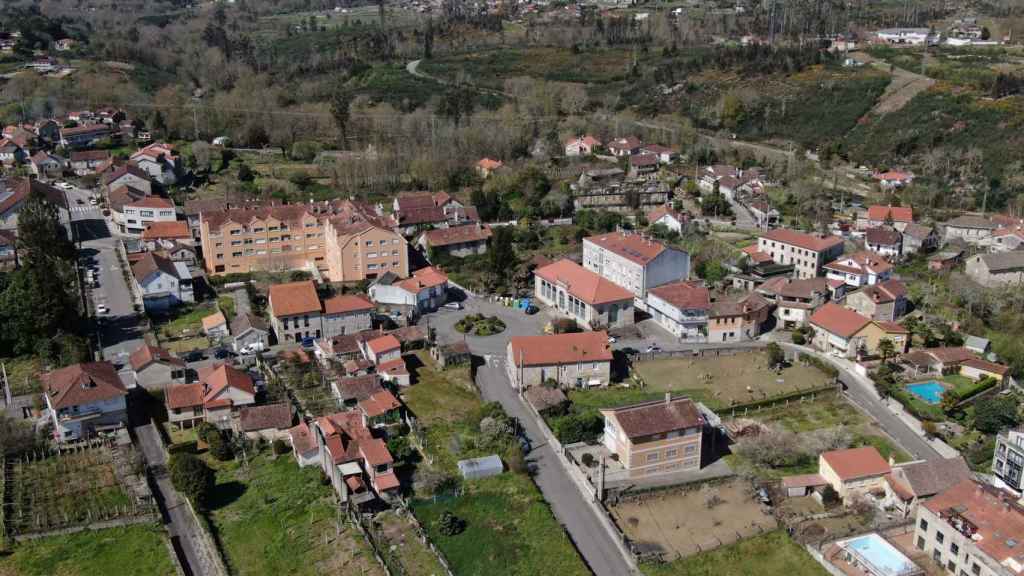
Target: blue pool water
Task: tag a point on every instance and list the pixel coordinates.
(930, 391)
(881, 555)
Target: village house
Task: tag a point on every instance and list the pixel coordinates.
(158, 235)
(250, 332)
(581, 145)
(945, 261)
(884, 241)
(156, 368)
(854, 472)
(641, 164)
(11, 153)
(668, 217)
(886, 301)
(975, 230)
(911, 483)
(46, 165)
(634, 262)
(808, 253)
(972, 528)
(730, 181)
(304, 447)
(918, 238)
(268, 422)
(84, 136)
(159, 161)
(414, 211)
(85, 162)
(572, 360)
(898, 217)
(346, 314)
(350, 390)
(1008, 459)
(126, 175)
(1007, 239)
(978, 369)
(859, 269)
(664, 154)
(624, 147)
(162, 283)
(682, 308)
(83, 399)
(845, 333)
(893, 179)
(943, 360)
(358, 464)
(381, 349)
(487, 166)
(295, 312)
(655, 437)
(425, 291)
(15, 191)
(626, 196)
(220, 393)
(457, 241)
(737, 319)
(135, 216)
(582, 295)
(215, 326)
(995, 270)
(342, 348)
(796, 300)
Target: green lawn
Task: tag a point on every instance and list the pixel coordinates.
(23, 374)
(827, 411)
(227, 306)
(188, 321)
(509, 530)
(772, 554)
(130, 551)
(272, 518)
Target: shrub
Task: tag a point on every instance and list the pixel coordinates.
(450, 524)
(993, 414)
(829, 497)
(799, 339)
(279, 447)
(578, 427)
(588, 460)
(220, 448)
(206, 431)
(192, 477)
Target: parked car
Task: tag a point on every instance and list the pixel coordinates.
(307, 343)
(654, 348)
(194, 356)
(453, 306)
(252, 348)
(221, 353)
(64, 186)
(612, 339)
(531, 310)
(102, 309)
(79, 201)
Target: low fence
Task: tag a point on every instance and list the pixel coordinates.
(700, 350)
(382, 547)
(149, 518)
(391, 568)
(809, 394)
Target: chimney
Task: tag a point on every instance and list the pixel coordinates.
(668, 398)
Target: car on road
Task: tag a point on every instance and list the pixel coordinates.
(531, 310)
(221, 353)
(612, 339)
(79, 201)
(102, 309)
(194, 356)
(252, 348)
(64, 186)
(653, 348)
(453, 306)
(94, 200)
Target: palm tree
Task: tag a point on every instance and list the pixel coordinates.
(886, 349)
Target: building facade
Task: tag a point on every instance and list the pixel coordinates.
(582, 295)
(634, 262)
(655, 437)
(808, 253)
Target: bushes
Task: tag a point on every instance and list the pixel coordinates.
(993, 414)
(192, 477)
(220, 447)
(480, 325)
(279, 447)
(578, 427)
(829, 370)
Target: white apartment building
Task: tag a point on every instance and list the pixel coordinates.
(808, 253)
(136, 216)
(635, 262)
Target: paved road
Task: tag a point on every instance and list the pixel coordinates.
(119, 335)
(594, 543)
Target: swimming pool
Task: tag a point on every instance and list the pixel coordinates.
(930, 391)
(878, 556)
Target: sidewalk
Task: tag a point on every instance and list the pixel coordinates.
(945, 450)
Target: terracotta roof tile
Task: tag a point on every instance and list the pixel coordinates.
(82, 384)
(176, 229)
(997, 519)
(294, 298)
(146, 355)
(813, 242)
(383, 344)
(184, 396)
(560, 349)
(838, 320)
(878, 213)
(346, 303)
(684, 295)
(854, 463)
(457, 235)
(588, 286)
(302, 438)
(633, 247)
(254, 418)
(379, 403)
(656, 417)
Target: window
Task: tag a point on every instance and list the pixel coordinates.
(394, 252)
(937, 555)
(236, 242)
(975, 569)
(951, 566)
(236, 254)
(371, 254)
(272, 228)
(924, 524)
(146, 213)
(954, 549)
(653, 457)
(671, 453)
(236, 232)
(220, 256)
(383, 242)
(369, 242)
(691, 449)
(371, 266)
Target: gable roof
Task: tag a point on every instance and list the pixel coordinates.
(802, 288)
(997, 519)
(882, 236)
(733, 306)
(156, 230)
(633, 247)
(887, 291)
(383, 344)
(380, 402)
(926, 478)
(254, 418)
(150, 263)
(214, 320)
(855, 463)
(970, 221)
(918, 231)
(879, 213)
(660, 212)
(627, 143)
(560, 349)
(949, 354)
(457, 234)
(18, 190)
(245, 321)
(184, 396)
(146, 355)
(302, 438)
(860, 263)
(151, 202)
(684, 295)
(986, 366)
(358, 387)
(813, 242)
(83, 383)
(756, 255)
(1003, 261)
(344, 303)
(220, 377)
(656, 417)
(293, 298)
(423, 279)
(838, 320)
(588, 286)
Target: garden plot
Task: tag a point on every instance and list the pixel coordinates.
(58, 490)
(677, 524)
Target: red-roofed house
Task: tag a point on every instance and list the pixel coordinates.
(154, 367)
(668, 217)
(655, 437)
(883, 301)
(487, 166)
(358, 464)
(625, 146)
(136, 216)
(169, 230)
(221, 391)
(381, 349)
(304, 447)
(893, 179)
(859, 269)
(854, 471)
(295, 311)
(83, 399)
(381, 409)
(457, 241)
(574, 360)
(682, 308)
(581, 145)
(896, 216)
(425, 290)
(835, 328)
(808, 253)
(583, 295)
(347, 314)
(635, 262)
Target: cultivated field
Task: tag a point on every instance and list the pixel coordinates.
(772, 554)
(726, 380)
(679, 524)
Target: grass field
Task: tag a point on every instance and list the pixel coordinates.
(273, 517)
(23, 374)
(130, 551)
(772, 554)
(187, 322)
(492, 67)
(509, 530)
(402, 542)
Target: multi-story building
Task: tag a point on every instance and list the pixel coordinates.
(796, 300)
(363, 249)
(655, 437)
(635, 262)
(738, 319)
(576, 360)
(885, 301)
(83, 399)
(347, 314)
(161, 282)
(859, 269)
(583, 295)
(973, 529)
(264, 238)
(135, 216)
(1008, 459)
(295, 312)
(682, 308)
(808, 253)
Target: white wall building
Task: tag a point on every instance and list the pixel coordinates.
(637, 263)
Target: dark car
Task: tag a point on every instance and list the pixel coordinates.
(194, 356)
(531, 310)
(222, 353)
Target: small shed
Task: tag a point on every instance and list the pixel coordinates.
(483, 467)
(802, 484)
(451, 354)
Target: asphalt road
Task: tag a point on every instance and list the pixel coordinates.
(576, 516)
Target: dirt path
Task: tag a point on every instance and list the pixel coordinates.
(903, 87)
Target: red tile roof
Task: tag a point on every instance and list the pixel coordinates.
(156, 230)
(457, 235)
(950, 354)
(838, 320)
(643, 160)
(560, 349)
(386, 481)
(813, 242)
(656, 417)
(293, 298)
(151, 202)
(878, 213)
(383, 344)
(220, 377)
(757, 256)
(184, 396)
(887, 291)
(254, 418)
(803, 481)
(489, 164)
(582, 283)
(423, 279)
(381, 402)
(684, 295)
(146, 355)
(882, 236)
(633, 247)
(855, 463)
(375, 451)
(302, 438)
(345, 303)
(394, 367)
(985, 365)
(862, 262)
(83, 383)
(213, 321)
(997, 519)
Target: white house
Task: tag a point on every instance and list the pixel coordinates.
(583, 295)
(681, 308)
(859, 269)
(884, 241)
(581, 145)
(635, 262)
(425, 290)
(83, 399)
(154, 367)
(135, 216)
(159, 161)
(347, 314)
(808, 253)
(668, 217)
(161, 282)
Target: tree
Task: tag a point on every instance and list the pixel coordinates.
(341, 102)
(929, 428)
(992, 414)
(192, 477)
(245, 173)
(502, 253)
(886, 349)
(450, 524)
(279, 447)
(220, 447)
(456, 104)
(201, 154)
(42, 239)
(949, 400)
(776, 356)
